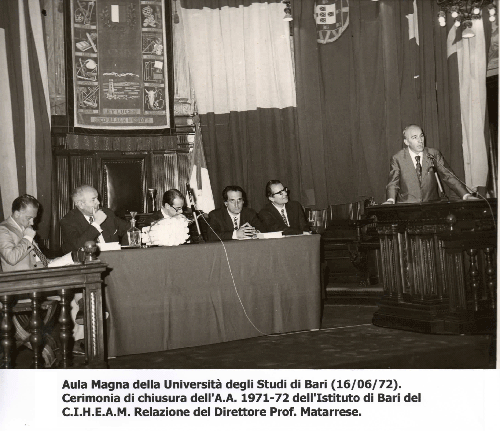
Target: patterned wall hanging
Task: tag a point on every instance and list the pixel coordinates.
(120, 69)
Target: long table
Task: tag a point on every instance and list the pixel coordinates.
(164, 298)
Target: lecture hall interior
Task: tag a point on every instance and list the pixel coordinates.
(377, 121)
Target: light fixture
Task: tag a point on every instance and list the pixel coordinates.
(463, 12)
(176, 15)
(288, 11)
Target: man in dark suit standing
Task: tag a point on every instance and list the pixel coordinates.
(233, 220)
(88, 222)
(282, 214)
(412, 178)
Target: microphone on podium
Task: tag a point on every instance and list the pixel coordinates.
(438, 180)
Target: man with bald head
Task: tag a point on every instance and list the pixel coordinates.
(88, 222)
(412, 178)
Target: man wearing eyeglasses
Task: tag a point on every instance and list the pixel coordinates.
(282, 214)
(233, 220)
(171, 206)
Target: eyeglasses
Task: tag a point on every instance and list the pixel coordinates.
(285, 190)
(176, 209)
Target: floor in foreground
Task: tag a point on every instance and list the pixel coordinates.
(347, 340)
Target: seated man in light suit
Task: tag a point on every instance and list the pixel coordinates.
(412, 178)
(88, 222)
(18, 251)
(282, 214)
(233, 220)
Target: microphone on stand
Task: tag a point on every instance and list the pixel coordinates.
(472, 192)
(439, 183)
(190, 202)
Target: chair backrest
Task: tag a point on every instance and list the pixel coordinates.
(124, 185)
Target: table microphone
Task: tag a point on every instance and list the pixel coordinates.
(190, 202)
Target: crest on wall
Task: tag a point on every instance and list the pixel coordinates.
(332, 18)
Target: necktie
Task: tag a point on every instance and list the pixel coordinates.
(40, 255)
(418, 168)
(284, 216)
(91, 219)
(236, 223)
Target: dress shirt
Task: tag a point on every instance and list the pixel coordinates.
(283, 208)
(97, 226)
(232, 216)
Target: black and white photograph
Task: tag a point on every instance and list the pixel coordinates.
(249, 213)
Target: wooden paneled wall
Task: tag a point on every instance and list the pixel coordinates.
(164, 170)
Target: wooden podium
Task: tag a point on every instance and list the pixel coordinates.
(439, 266)
(63, 281)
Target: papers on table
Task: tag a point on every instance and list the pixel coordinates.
(106, 246)
(61, 261)
(268, 235)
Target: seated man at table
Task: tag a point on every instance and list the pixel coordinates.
(172, 205)
(282, 214)
(412, 178)
(18, 251)
(233, 220)
(88, 222)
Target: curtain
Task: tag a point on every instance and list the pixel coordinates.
(355, 95)
(471, 63)
(25, 147)
(240, 62)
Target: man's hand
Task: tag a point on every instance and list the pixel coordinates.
(29, 231)
(391, 202)
(472, 198)
(246, 231)
(99, 216)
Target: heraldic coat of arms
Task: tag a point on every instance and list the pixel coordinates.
(332, 18)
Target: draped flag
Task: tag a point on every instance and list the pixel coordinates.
(470, 55)
(25, 147)
(332, 18)
(199, 181)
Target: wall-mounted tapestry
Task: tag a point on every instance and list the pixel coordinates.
(120, 69)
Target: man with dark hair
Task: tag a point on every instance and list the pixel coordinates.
(411, 179)
(282, 214)
(18, 251)
(88, 222)
(172, 205)
(234, 220)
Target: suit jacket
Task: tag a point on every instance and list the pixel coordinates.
(403, 185)
(222, 224)
(273, 221)
(16, 252)
(76, 230)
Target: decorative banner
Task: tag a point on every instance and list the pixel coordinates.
(332, 18)
(120, 71)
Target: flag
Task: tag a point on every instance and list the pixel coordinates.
(25, 146)
(471, 59)
(199, 181)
